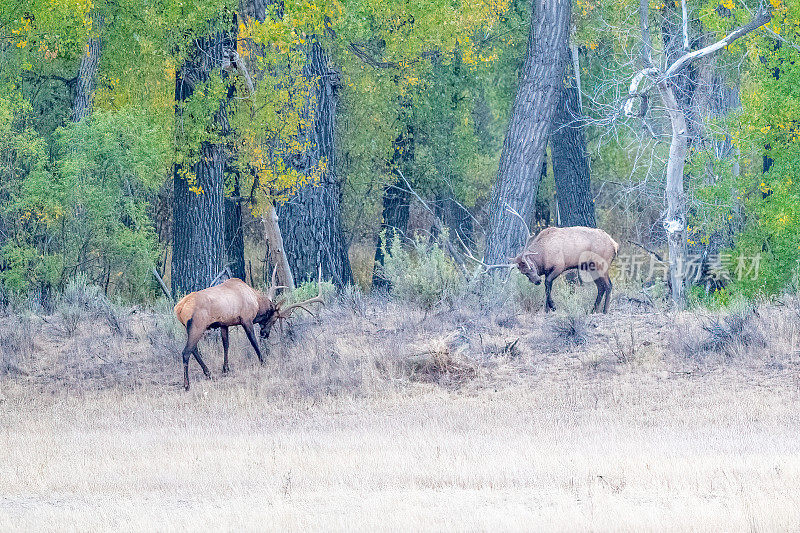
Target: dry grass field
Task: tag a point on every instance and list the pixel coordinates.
(378, 416)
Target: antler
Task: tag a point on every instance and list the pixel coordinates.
(286, 311)
(272, 286)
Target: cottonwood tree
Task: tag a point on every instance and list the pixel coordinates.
(662, 80)
(311, 220)
(529, 129)
(198, 247)
(392, 57)
(569, 154)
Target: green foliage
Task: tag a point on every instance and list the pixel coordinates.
(309, 289)
(423, 274)
(763, 208)
(87, 212)
(436, 74)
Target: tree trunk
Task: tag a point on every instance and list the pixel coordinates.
(571, 161)
(311, 220)
(396, 202)
(394, 221)
(234, 236)
(529, 129)
(276, 253)
(675, 222)
(87, 75)
(198, 248)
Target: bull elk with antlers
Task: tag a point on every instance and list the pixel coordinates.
(555, 250)
(232, 303)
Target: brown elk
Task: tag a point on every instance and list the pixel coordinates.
(232, 303)
(555, 250)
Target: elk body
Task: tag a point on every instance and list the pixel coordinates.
(232, 303)
(555, 250)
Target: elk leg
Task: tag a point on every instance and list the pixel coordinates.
(548, 288)
(548, 301)
(601, 289)
(193, 337)
(608, 295)
(224, 332)
(202, 364)
(186, 357)
(248, 329)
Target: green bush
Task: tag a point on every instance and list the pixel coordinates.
(81, 204)
(308, 289)
(421, 273)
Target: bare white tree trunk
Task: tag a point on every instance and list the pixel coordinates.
(277, 253)
(675, 222)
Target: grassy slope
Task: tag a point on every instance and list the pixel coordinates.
(386, 418)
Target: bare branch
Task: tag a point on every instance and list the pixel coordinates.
(685, 25)
(163, 285)
(647, 43)
(770, 32)
(648, 250)
(633, 91)
(761, 17)
(436, 221)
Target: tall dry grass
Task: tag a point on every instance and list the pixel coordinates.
(381, 415)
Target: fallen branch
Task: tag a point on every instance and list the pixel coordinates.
(163, 285)
(648, 250)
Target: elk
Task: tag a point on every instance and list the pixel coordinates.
(232, 303)
(555, 250)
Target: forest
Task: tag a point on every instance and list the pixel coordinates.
(381, 187)
(175, 141)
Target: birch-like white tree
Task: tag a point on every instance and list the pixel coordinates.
(660, 77)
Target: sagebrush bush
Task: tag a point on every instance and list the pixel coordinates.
(308, 289)
(569, 331)
(83, 299)
(16, 344)
(422, 273)
(529, 296)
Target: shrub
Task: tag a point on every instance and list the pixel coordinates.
(83, 299)
(570, 330)
(16, 344)
(422, 273)
(727, 333)
(308, 289)
(528, 295)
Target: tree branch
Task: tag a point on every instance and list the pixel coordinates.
(685, 15)
(374, 62)
(761, 17)
(647, 43)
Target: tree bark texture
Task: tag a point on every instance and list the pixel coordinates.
(87, 75)
(198, 248)
(675, 223)
(276, 253)
(529, 129)
(234, 235)
(311, 220)
(571, 160)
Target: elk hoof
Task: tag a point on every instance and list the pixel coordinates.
(225, 369)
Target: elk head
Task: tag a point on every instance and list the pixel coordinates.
(527, 266)
(274, 311)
